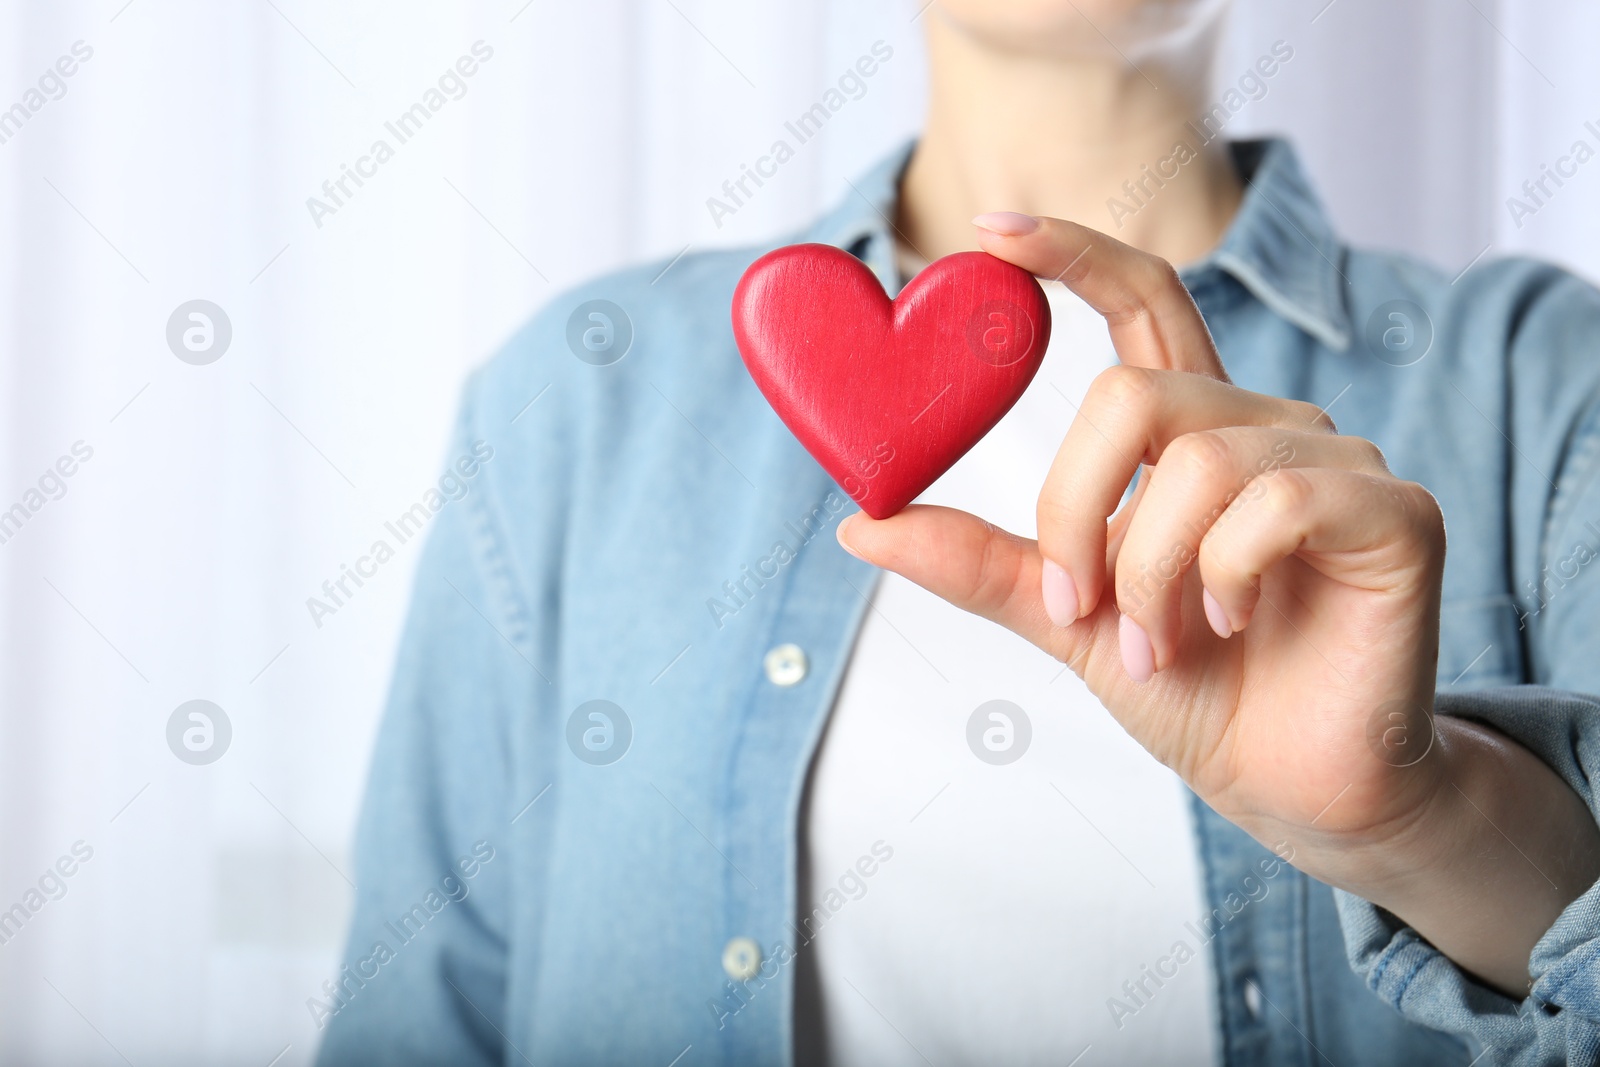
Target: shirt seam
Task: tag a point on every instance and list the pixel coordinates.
(1583, 452)
(488, 550)
(1425, 957)
(1397, 944)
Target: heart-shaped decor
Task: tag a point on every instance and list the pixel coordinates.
(887, 395)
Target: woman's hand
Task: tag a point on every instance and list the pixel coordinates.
(1262, 615)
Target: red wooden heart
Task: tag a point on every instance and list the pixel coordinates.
(887, 395)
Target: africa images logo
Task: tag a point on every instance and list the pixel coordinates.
(599, 732)
(999, 732)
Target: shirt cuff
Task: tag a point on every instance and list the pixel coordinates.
(1559, 1020)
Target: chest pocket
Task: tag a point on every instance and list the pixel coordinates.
(1480, 643)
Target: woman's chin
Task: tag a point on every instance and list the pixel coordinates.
(1085, 29)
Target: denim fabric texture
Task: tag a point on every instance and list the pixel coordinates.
(624, 501)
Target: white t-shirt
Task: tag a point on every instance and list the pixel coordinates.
(964, 911)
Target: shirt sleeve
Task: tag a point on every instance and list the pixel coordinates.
(1559, 1021)
(1556, 716)
(424, 974)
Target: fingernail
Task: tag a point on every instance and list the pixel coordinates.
(1060, 594)
(1007, 223)
(839, 535)
(1138, 654)
(1215, 615)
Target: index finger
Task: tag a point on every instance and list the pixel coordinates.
(1153, 319)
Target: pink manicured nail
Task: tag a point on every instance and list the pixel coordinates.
(1060, 594)
(1007, 223)
(1138, 654)
(1215, 615)
(838, 533)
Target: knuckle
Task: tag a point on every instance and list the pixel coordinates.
(1423, 514)
(1313, 417)
(1288, 493)
(1164, 276)
(1369, 456)
(1124, 392)
(1199, 456)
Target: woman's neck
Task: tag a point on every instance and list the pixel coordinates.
(1009, 131)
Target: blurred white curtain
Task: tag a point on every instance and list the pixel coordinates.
(174, 164)
(1418, 121)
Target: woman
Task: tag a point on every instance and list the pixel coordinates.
(774, 871)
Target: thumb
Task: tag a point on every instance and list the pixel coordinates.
(973, 564)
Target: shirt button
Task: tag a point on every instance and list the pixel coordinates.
(785, 665)
(1252, 998)
(741, 958)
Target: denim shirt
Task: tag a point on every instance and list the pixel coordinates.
(546, 879)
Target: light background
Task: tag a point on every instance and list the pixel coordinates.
(177, 565)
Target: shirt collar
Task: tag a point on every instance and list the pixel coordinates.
(1280, 246)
